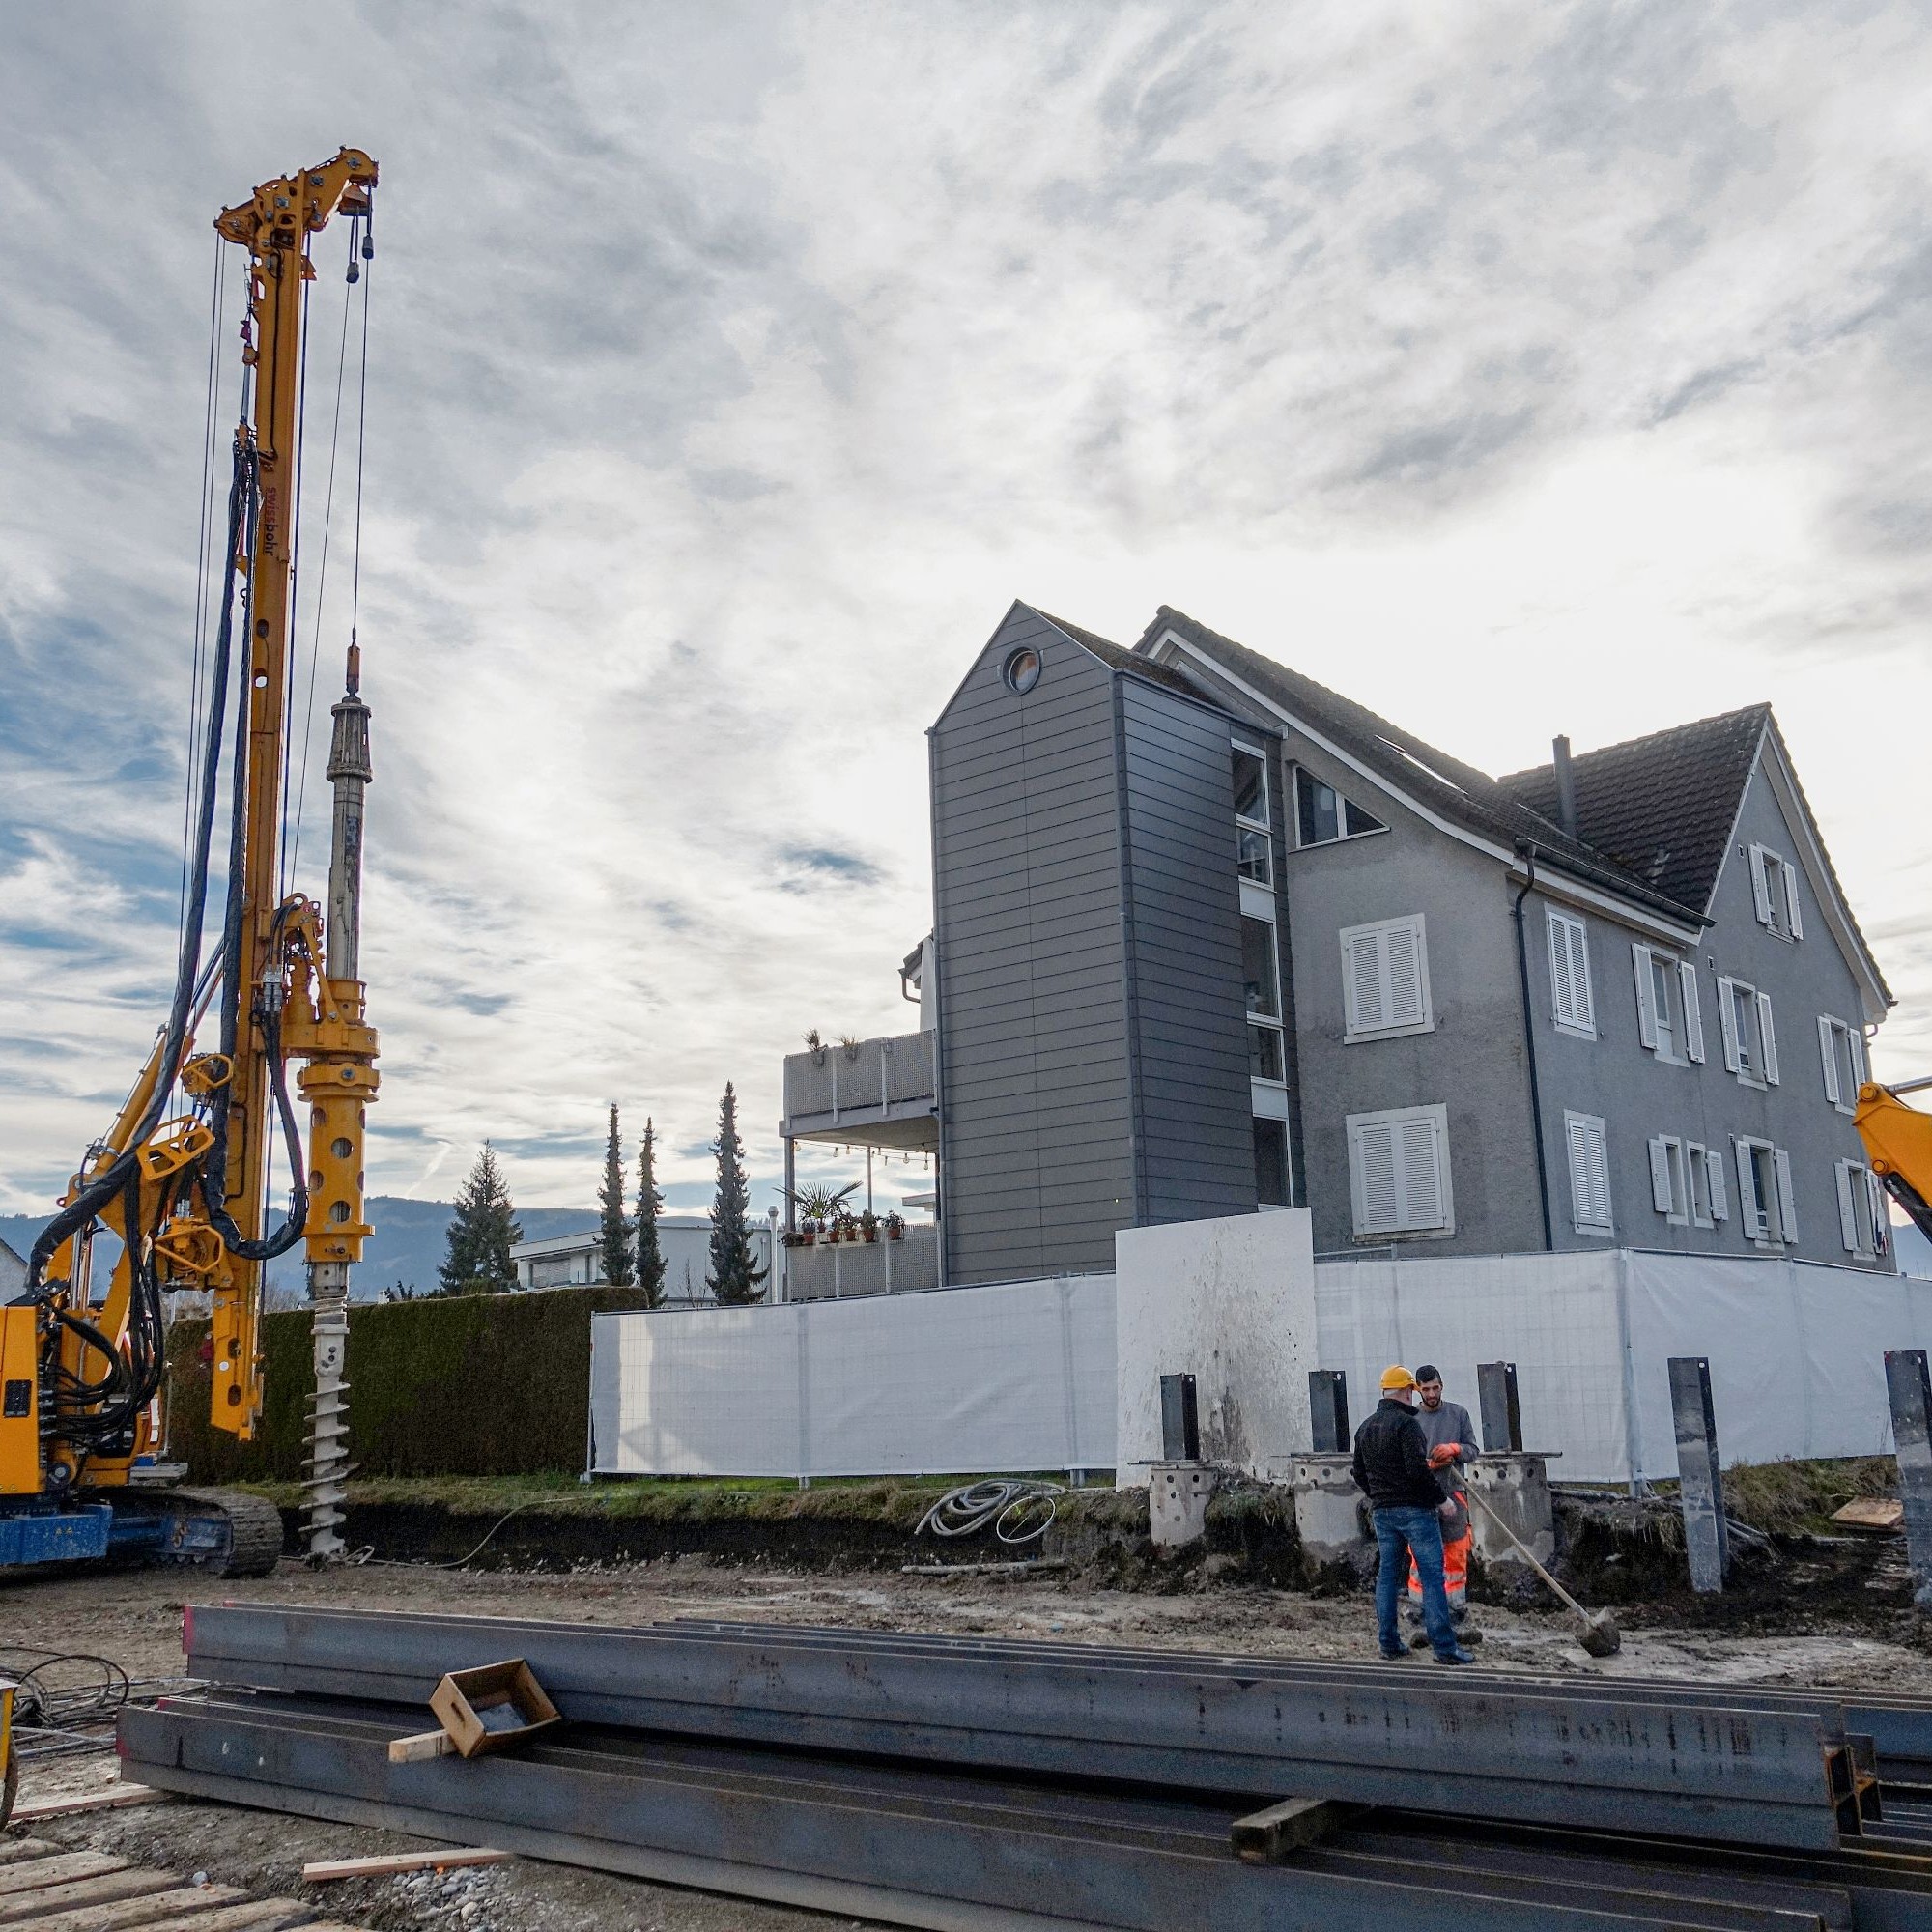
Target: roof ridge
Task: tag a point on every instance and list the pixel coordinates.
(1422, 768)
(1761, 710)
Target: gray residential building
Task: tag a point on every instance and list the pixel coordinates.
(1208, 938)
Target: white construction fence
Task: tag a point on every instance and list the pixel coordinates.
(1063, 1374)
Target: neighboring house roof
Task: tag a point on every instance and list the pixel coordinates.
(1417, 770)
(1133, 663)
(1662, 806)
(12, 1272)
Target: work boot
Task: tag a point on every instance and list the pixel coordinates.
(1456, 1655)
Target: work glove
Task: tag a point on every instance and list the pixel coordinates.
(1441, 1457)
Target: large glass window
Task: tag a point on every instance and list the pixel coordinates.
(1260, 973)
(1271, 1189)
(1258, 969)
(1322, 815)
(1253, 843)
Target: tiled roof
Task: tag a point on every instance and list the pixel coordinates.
(1119, 658)
(1662, 807)
(1445, 785)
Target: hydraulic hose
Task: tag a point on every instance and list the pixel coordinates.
(97, 1194)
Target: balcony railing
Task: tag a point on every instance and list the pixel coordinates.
(836, 1270)
(874, 1082)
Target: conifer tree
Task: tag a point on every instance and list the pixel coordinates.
(480, 1233)
(614, 1227)
(732, 1280)
(651, 1263)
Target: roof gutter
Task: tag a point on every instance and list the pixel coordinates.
(1526, 852)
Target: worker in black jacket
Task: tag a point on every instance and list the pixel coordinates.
(1392, 1468)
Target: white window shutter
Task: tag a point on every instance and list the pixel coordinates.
(1589, 1174)
(1714, 1167)
(1659, 1174)
(1828, 1056)
(1787, 1208)
(1646, 1016)
(1421, 1153)
(1693, 1013)
(1769, 1038)
(1848, 1214)
(1791, 901)
(1407, 974)
(1562, 983)
(1760, 886)
(1362, 982)
(1728, 1020)
(1600, 1177)
(1857, 1041)
(1379, 1208)
(1750, 1209)
(1579, 1171)
(1580, 974)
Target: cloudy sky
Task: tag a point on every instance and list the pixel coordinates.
(1516, 369)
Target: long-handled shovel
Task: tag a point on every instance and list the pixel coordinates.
(1596, 1629)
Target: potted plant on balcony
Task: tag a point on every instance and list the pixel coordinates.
(869, 1226)
(818, 1208)
(895, 1227)
(849, 1044)
(815, 1046)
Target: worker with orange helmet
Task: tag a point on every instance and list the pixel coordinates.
(1451, 1438)
(1392, 1468)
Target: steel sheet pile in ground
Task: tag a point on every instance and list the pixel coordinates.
(959, 1784)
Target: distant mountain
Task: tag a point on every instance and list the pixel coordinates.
(408, 1244)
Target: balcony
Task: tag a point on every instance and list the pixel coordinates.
(839, 1271)
(876, 1092)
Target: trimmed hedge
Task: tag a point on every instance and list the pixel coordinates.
(459, 1385)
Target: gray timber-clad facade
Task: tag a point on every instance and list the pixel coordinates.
(1209, 938)
(1092, 1046)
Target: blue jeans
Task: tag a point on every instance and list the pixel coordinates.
(1399, 1532)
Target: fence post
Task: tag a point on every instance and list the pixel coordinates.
(1329, 1411)
(1700, 1481)
(1502, 1415)
(1910, 1389)
(1180, 1420)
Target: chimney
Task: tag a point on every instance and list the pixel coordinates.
(1566, 788)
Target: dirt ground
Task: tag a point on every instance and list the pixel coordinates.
(135, 1618)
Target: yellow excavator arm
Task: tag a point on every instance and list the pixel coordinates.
(1899, 1142)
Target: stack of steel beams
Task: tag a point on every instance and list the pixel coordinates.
(956, 1783)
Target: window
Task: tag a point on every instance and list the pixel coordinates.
(1253, 846)
(1751, 1041)
(1669, 1016)
(1589, 1174)
(1260, 973)
(1021, 669)
(1767, 1212)
(1271, 1164)
(1842, 1051)
(1698, 1159)
(1864, 1222)
(1774, 893)
(1669, 1179)
(1570, 1002)
(1399, 1173)
(1322, 815)
(1386, 979)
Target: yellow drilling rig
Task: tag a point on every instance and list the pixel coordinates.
(182, 1180)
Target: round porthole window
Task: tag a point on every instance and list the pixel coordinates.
(1021, 669)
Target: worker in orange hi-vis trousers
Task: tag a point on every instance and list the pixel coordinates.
(1451, 1438)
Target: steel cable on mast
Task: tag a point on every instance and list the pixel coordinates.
(322, 571)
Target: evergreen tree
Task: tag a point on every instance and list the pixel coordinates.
(614, 1229)
(480, 1233)
(732, 1279)
(651, 1263)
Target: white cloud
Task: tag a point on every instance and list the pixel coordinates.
(1549, 368)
